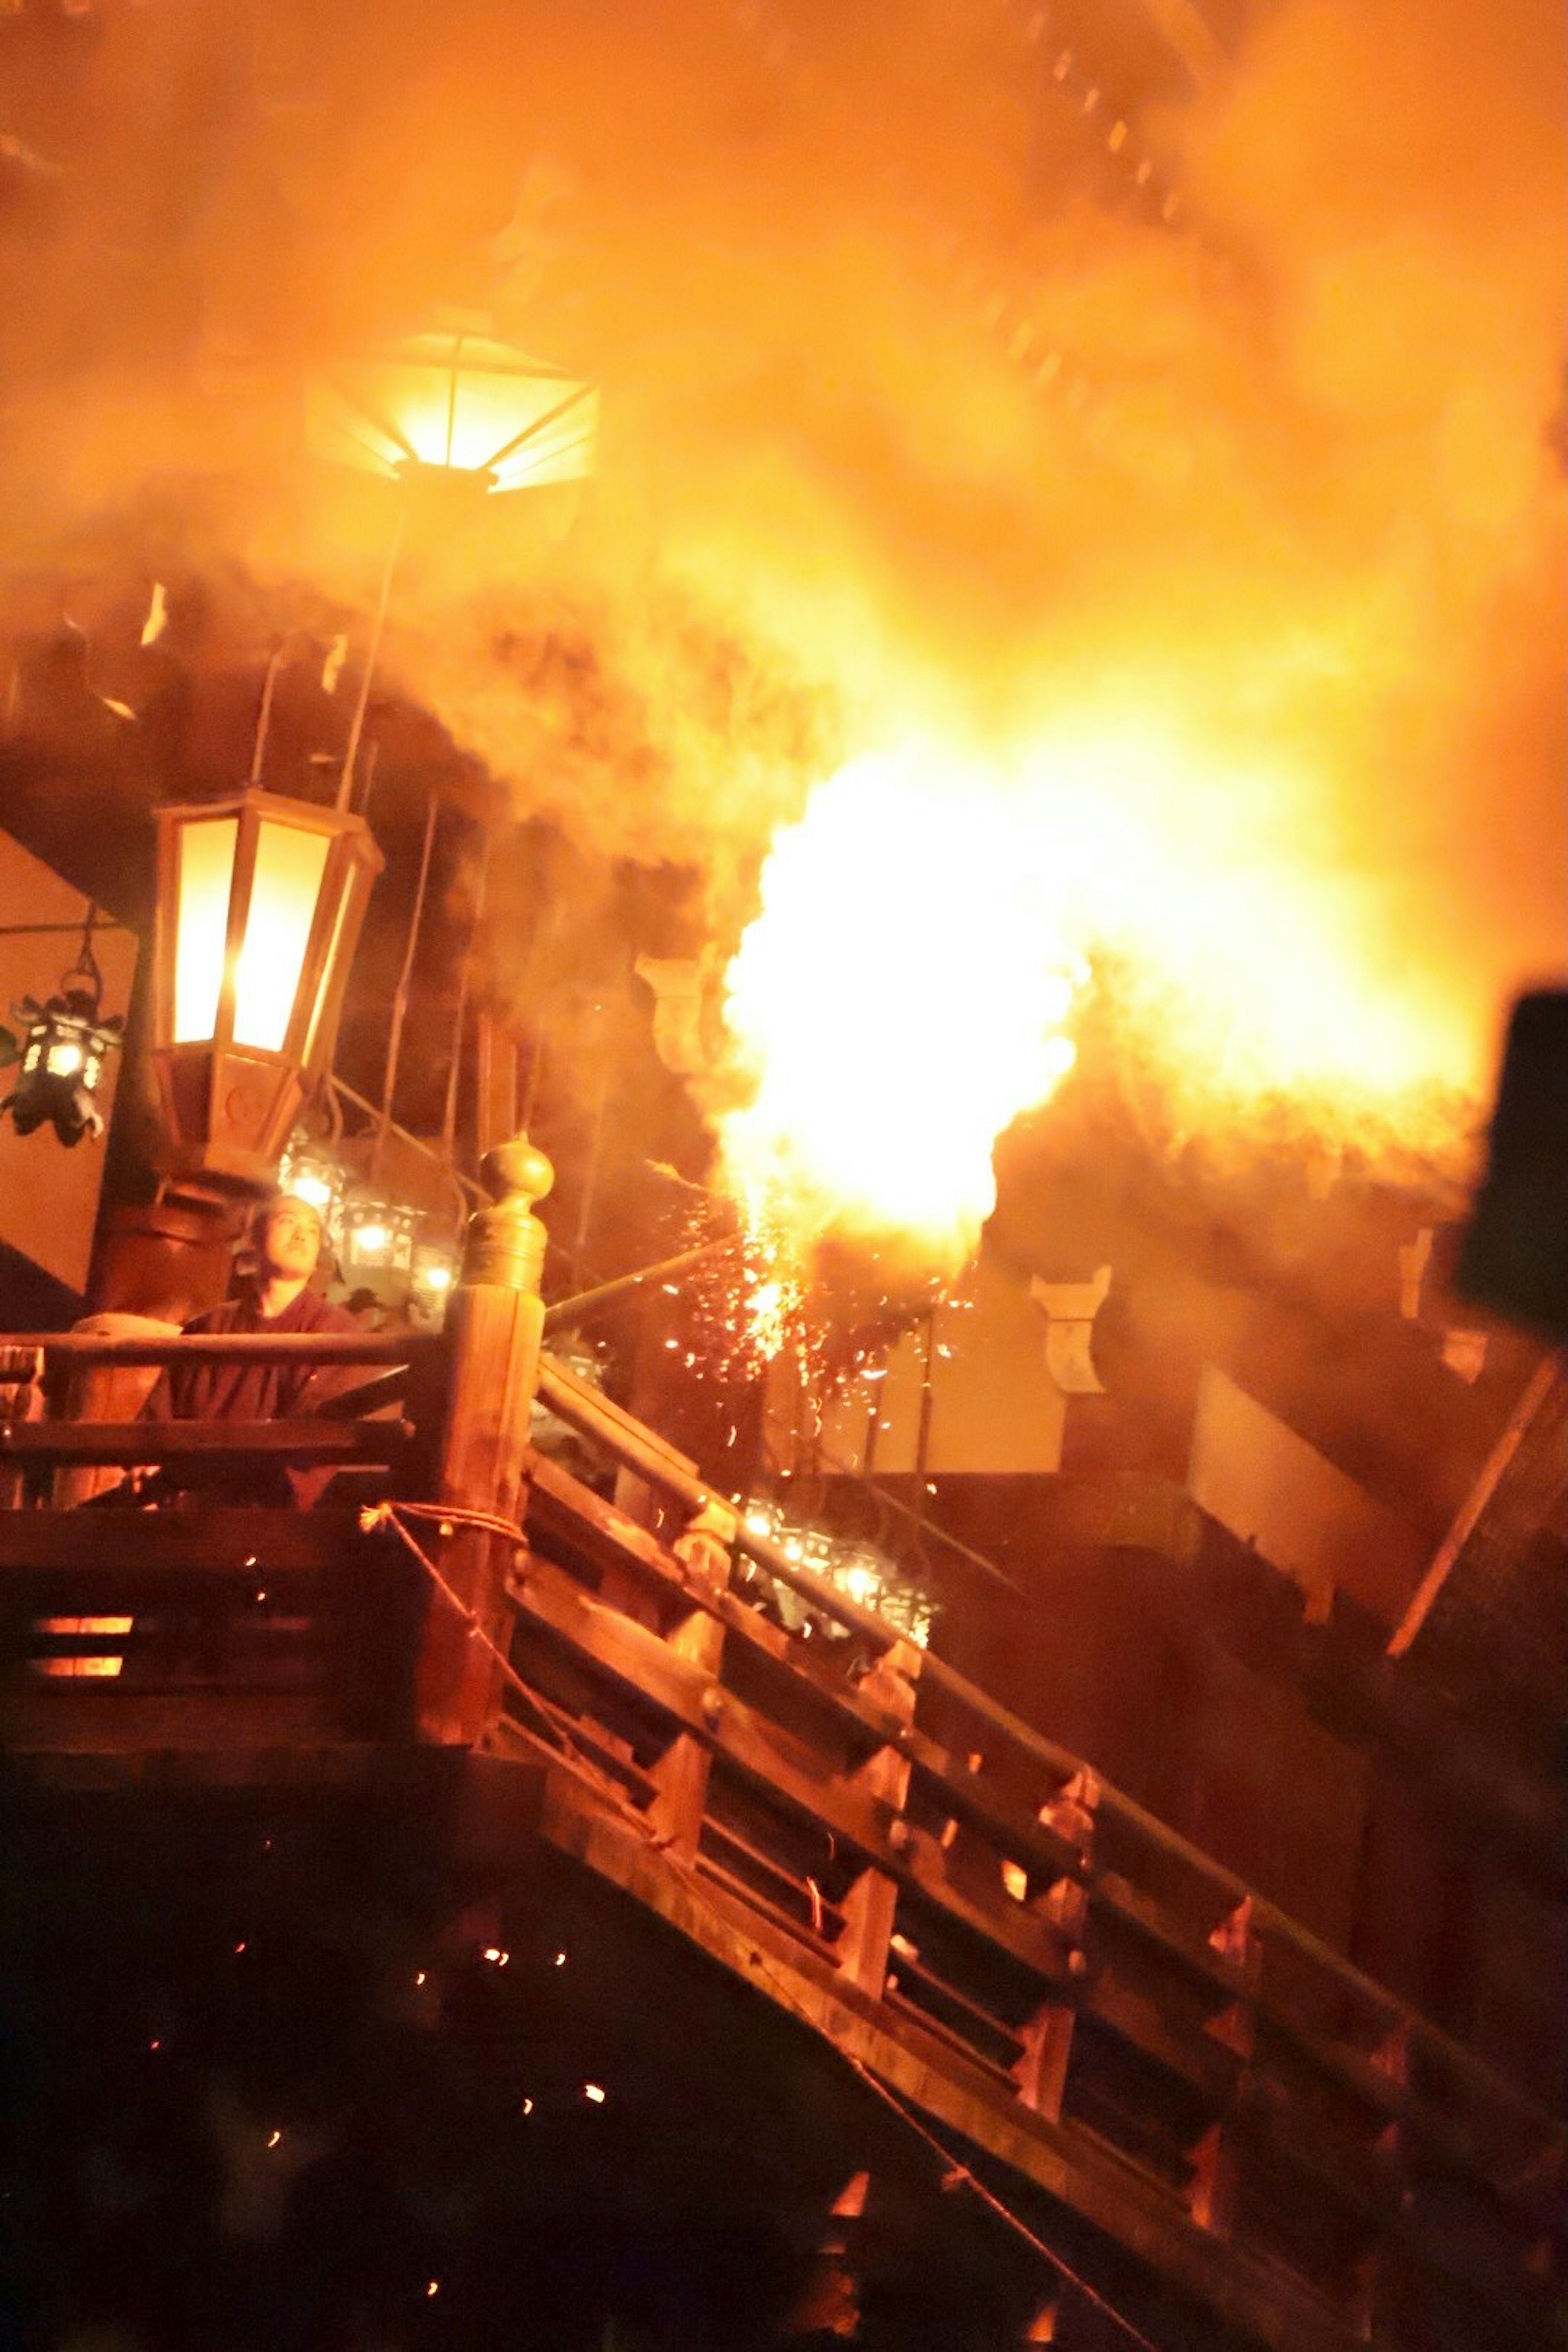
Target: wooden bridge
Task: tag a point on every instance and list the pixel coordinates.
(1106, 2031)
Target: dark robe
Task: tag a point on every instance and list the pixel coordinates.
(234, 1392)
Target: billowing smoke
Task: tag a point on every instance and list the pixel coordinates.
(1226, 490)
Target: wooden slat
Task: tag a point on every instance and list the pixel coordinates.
(180, 1541)
(131, 1442)
(641, 1665)
(81, 1349)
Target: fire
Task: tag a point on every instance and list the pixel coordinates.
(899, 1000)
(928, 923)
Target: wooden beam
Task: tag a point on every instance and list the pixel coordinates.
(1493, 1471)
(134, 1443)
(78, 1349)
(183, 1542)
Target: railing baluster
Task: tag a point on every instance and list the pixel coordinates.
(681, 1773)
(870, 1905)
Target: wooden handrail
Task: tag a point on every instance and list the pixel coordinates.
(640, 1450)
(133, 1442)
(81, 1349)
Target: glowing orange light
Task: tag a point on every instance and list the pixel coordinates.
(259, 905)
(926, 929)
(459, 402)
(285, 884)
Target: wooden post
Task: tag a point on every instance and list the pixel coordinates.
(681, 1772)
(494, 1325)
(1211, 2192)
(1041, 2072)
(21, 1398)
(870, 1903)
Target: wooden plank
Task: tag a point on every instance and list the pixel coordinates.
(1204, 2066)
(133, 1442)
(1117, 1898)
(643, 1664)
(630, 1441)
(1018, 1930)
(79, 1348)
(75, 1716)
(219, 1536)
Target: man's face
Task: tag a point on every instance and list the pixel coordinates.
(291, 1242)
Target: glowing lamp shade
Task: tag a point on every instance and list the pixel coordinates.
(259, 905)
(459, 404)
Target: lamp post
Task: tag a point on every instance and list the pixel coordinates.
(259, 904)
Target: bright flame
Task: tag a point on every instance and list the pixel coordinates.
(928, 922)
(898, 1000)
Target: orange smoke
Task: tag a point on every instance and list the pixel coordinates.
(1220, 572)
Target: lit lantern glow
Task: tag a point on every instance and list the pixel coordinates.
(259, 904)
(310, 1174)
(377, 1237)
(66, 1043)
(431, 1276)
(459, 404)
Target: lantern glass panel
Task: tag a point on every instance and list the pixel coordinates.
(206, 853)
(290, 863)
(347, 897)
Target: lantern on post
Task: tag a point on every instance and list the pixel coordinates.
(455, 407)
(260, 900)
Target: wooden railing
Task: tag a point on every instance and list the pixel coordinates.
(1025, 1955)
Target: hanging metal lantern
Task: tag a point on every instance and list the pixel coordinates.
(455, 406)
(309, 1171)
(377, 1242)
(66, 1041)
(260, 900)
(432, 1274)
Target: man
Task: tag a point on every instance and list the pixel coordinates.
(284, 1245)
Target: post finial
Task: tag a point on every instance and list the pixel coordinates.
(505, 1243)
